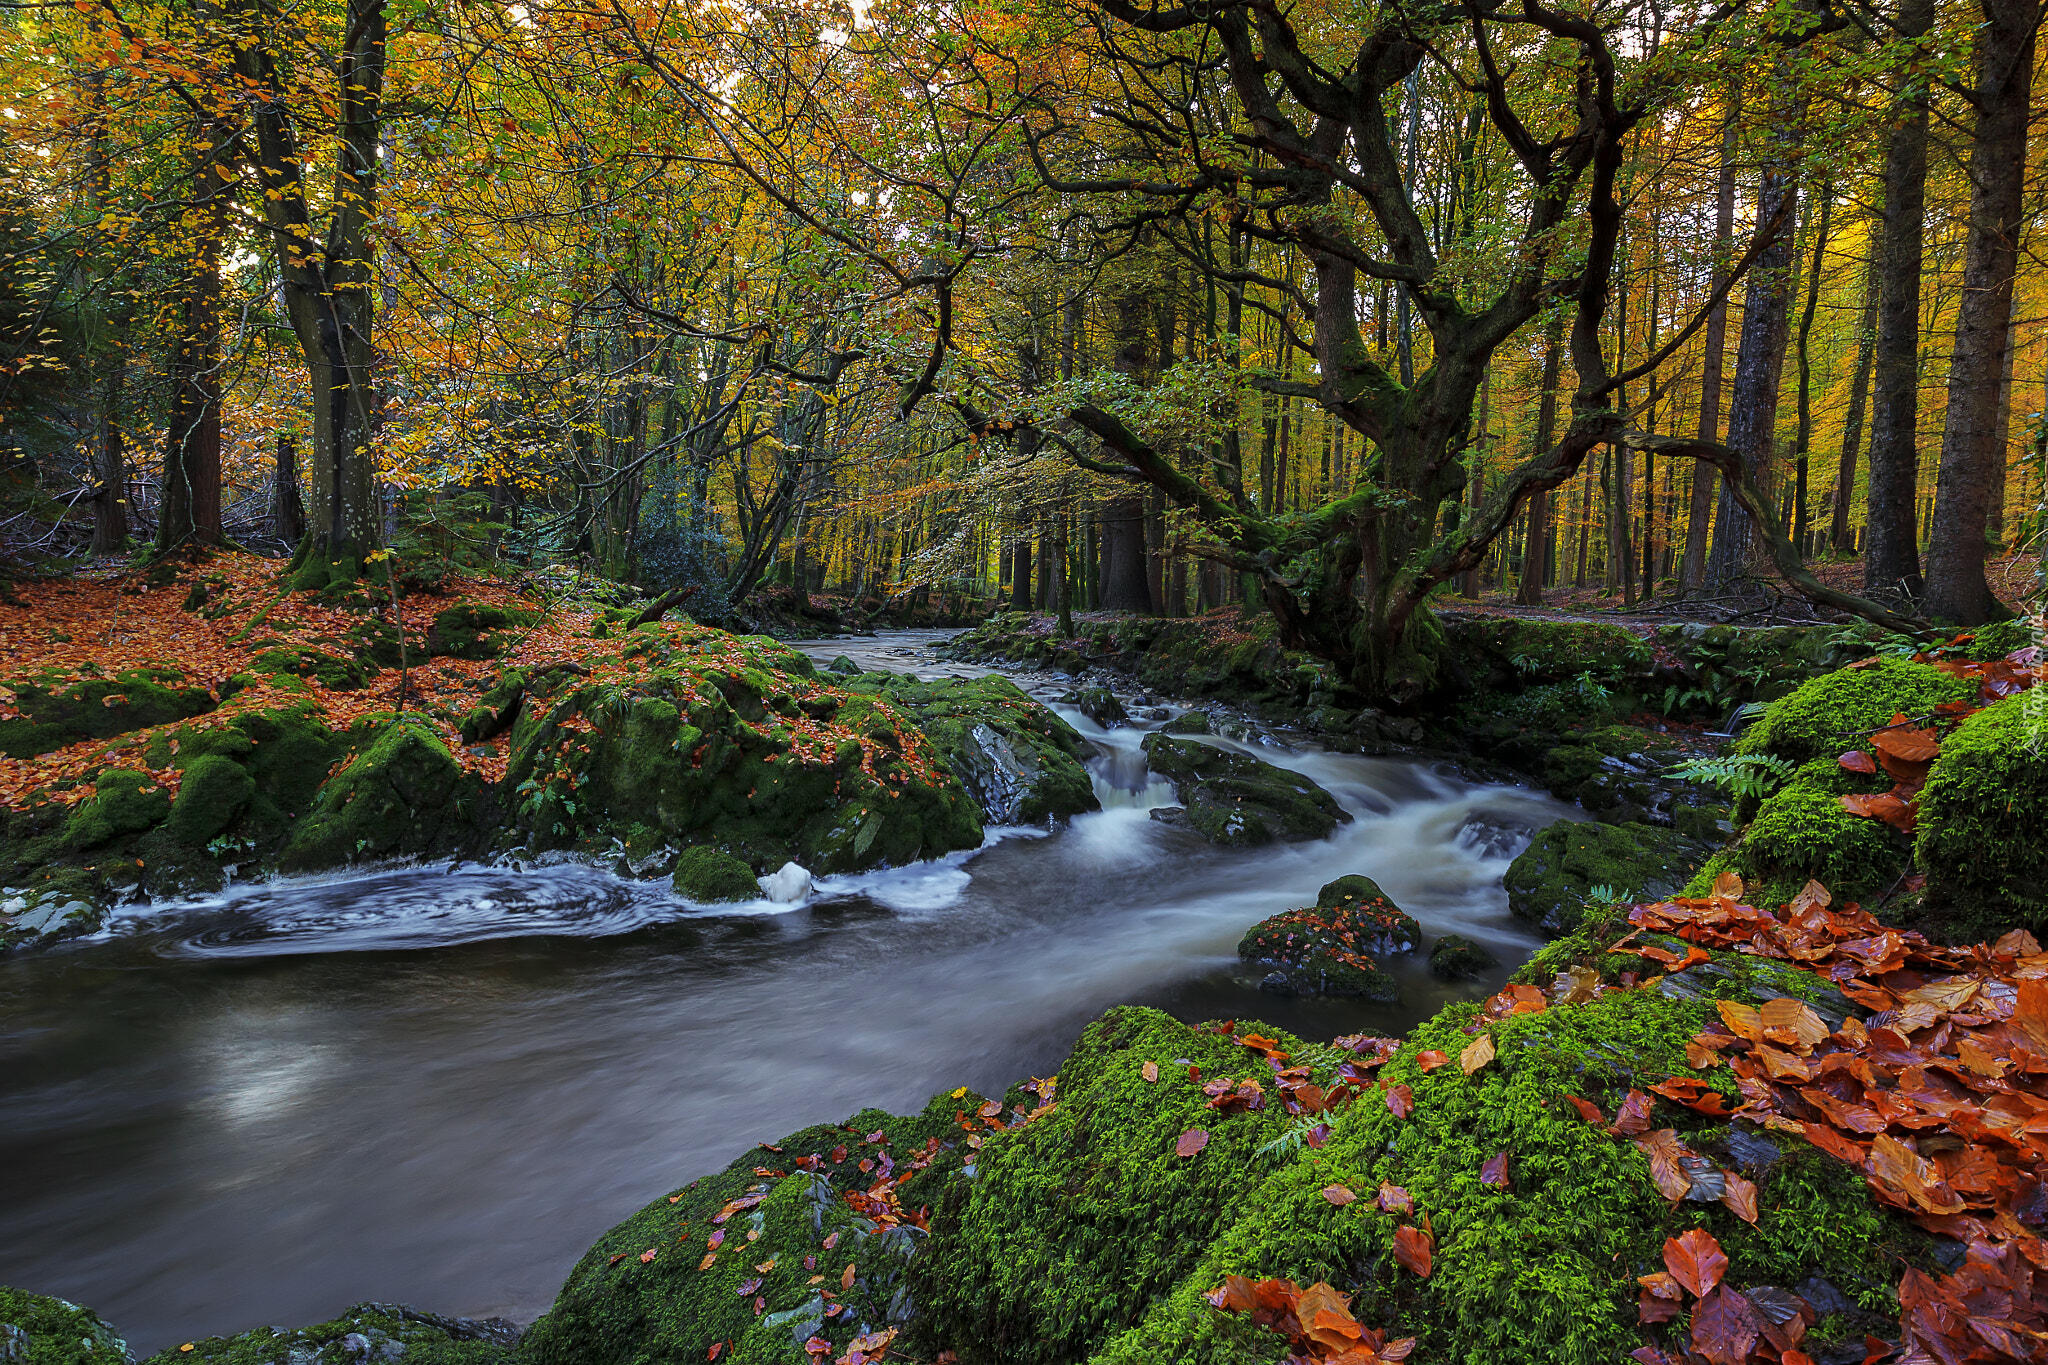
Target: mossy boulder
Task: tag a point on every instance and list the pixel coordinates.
(303, 661)
(1983, 818)
(741, 1260)
(404, 794)
(368, 1334)
(1100, 705)
(1543, 1270)
(712, 875)
(1232, 798)
(1550, 883)
(1836, 711)
(706, 736)
(1073, 1224)
(53, 714)
(214, 792)
(36, 1329)
(471, 630)
(124, 801)
(1457, 958)
(1189, 723)
(1801, 832)
(1333, 948)
(1020, 761)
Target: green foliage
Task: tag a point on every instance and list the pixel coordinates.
(1752, 775)
(1556, 882)
(1836, 710)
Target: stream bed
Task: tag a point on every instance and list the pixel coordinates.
(438, 1085)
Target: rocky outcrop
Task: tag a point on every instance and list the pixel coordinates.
(1232, 798)
(1553, 880)
(368, 1334)
(1334, 947)
(36, 1329)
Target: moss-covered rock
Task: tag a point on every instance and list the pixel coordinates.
(712, 875)
(38, 1330)
(54, 714)
(124, 801)
(1983, 818)
(1232, 798)
(1534, 649)
(1334, 947)
(368, 1334)
(473, 631)
(742, 1260)
(1189, 723)
(1550, 883)
(1837, 710)
(303, 661)
(214, 792)
(1020, 761)
(1457, 958)
(1073, 1224)
(1801, 832)
(403, 794)
(1100, 705)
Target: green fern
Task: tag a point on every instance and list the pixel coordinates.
(1289, 1144)
(1740, 775)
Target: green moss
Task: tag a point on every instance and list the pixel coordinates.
(470, 631)
(618, 1309)
(712, 875)
(329, 670)
(1982, 817)
(1836, 711)
(1551, 881)
(1233, 798)
(1021, 762)
(213, 794)
(1801, 831)
(367, 1332)
(1074, 1223)
(1457, 958)
(404, 794)
(54, 715)
(38, 1330)
(125, 801)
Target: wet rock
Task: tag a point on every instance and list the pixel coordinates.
(1232, 798)
(843, 666)
(1333, 948)
(36, 1329)
(368, 1334)
(1100, 705)
(1019, 761)
(1551, 882)
(712, 875)
(1457, 958)
(786, 885)
(1188, 723)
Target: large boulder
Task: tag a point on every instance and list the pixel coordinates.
(1232, 798)
(36, 1329)
(1982, 820)
(1550, 883)
(1334, 947)
(1021, 762)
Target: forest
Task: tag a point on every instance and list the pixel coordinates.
(1426, 615)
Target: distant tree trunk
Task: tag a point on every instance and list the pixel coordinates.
(190, 511)
(1852, 424)
(1891, 556)
(287, 511)
(1020, 574)
(1126, 579)
(1475, 489)
(1994, 517)
(1760, 355)
(1803, 438)
(1973, 438)
(1699, 515)
(1536, 552)
(110, 468)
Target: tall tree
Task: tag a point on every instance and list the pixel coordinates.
(1973, 432)
(1852, 423)
(1536, 551)
(1891, 555)
(1714, 344)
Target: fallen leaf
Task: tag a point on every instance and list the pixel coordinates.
(846, 1276)
(1413, 1248)
(1495, 1171)
(1477, 1054)
(1150, 1071)
(1401, 1100)
(1338, 1195)
(1192, 1141)
(1695, 1260)
(1858, 761)
(1430, 1060)
(1740, 1197)
(1395, 1199)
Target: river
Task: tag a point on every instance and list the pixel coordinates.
(438, 1085)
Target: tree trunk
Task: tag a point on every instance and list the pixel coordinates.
(1760, 355)
(1699, 515)
(1891, 557)
(1803, 438)
(1852, 425)
(190, 511)
(287, 511)
(1020, 574)
(110, 468)
(1973, 438)
(1536, 553)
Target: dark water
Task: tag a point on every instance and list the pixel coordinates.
(440, 1085)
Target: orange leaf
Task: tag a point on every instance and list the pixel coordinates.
(1430, 1061)
(1695, 1260)
(1477, 1054)
(1413, 1248)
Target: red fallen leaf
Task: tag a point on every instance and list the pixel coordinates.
(1192, 1141)
(1693, 1094)
(1338, 1195)
(648, 1255)
(1588, 1111)
(839, 1153)
(1724, 1327)
(1495, 1171)
(1260, 1043)
(1150, 1071)
(1633, 1117)
(1431, 1060)
(1660, 1300)
(1413, 1248)
(1858, 761)
(1889, 807)
(1695, 1260)
(1235, 1295)
(716, 1347)
(846, 1276)
(1326, 1320)
(1907, 745)
(1401, 1100)
(1395, 1199)
(1740, 1197)
(829, 1242)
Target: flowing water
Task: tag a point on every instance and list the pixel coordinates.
(438, 1085)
